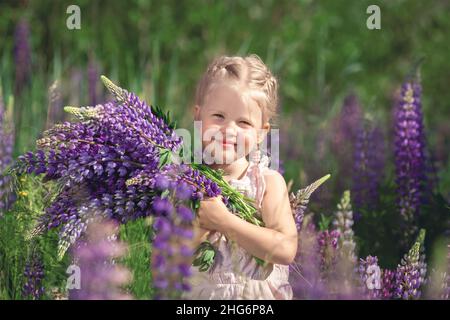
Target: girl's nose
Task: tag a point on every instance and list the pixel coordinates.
(230, 130)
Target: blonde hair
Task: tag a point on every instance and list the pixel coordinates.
(249, 72)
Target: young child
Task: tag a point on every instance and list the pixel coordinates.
(235, 100)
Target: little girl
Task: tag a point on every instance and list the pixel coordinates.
(235, 100)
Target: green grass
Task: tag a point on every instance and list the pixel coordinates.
(136, 235)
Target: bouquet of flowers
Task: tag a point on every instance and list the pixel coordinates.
(121, 160)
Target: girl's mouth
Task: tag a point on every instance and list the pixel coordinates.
(228, 144)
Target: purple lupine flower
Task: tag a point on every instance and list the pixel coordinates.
(304, 273)
(350, 117)
(327, 245)
(345, 128)
(409, 154)
(6, 151)
(100, 277)
(387, 284)
(173, 230)
(22, 56)
(371, 278)
(34, 274)
(368, 165)
(343, 223)
(307, 276)
(407, 277)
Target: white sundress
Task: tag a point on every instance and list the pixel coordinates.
(235, 274)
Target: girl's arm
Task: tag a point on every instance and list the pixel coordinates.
(277, 241)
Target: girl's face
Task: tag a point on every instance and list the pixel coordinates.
(231, 125)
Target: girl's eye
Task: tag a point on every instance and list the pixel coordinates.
(217, 115)
(246, 123)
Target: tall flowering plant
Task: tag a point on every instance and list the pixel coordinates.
(22, 55)
(34, 274)
(6, 151)
(368, 165)
(343, 222)
(409, 153)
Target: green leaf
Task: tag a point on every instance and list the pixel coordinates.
(165, 157)
(204, 256)
(157, 111)
(165, 194)
(324, 222)
(259, 261)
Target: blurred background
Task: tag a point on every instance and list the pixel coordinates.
(339, 83)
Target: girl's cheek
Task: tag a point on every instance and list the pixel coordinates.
(250, 141)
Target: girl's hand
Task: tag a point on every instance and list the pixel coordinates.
(212, 214)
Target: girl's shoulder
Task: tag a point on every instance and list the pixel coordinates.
(273, 174)
(274, 180)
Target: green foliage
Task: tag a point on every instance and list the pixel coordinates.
(204, 256)
(16, 248)
(324, 222)
(137, 234)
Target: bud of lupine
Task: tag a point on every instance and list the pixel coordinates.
(422, 258)
(343, 222)
(409, 154)
(22, 56)
(371, 277)
(368, 164)
(300, 200)
(34, 274)
(55, 107)
(407, 278)
(100, 277)
(327, 245)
